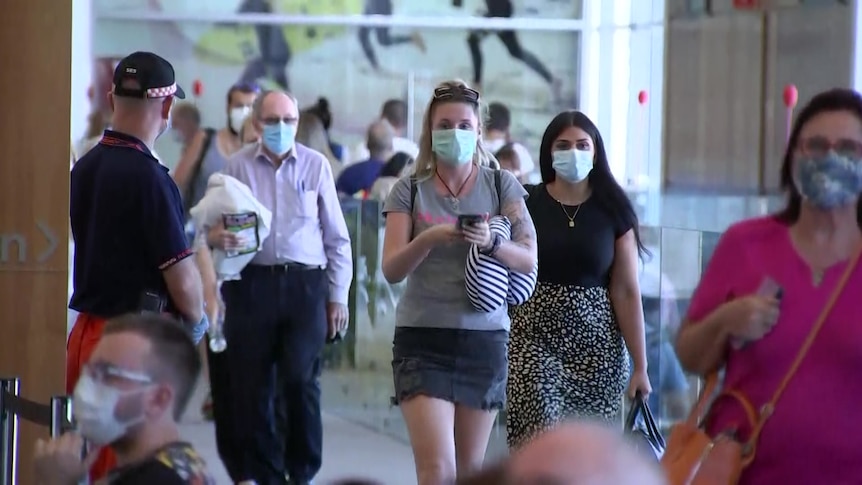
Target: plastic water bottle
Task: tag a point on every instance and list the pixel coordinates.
(217, 342)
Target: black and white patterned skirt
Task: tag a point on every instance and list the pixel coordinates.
(567, 359)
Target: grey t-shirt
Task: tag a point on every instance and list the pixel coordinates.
(435, 295)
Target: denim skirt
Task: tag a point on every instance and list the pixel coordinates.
(467, 367)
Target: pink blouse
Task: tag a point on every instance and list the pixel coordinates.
(815, 434)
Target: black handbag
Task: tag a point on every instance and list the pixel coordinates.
(642, 430)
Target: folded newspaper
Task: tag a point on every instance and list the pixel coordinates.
(230, 202)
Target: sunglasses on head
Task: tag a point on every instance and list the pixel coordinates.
(446, 93)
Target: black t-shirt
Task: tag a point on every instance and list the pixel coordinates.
(580, 255)
(126, 215)
(175, 464)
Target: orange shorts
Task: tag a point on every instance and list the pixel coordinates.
(82, 341)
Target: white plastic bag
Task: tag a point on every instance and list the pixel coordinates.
(227, 195)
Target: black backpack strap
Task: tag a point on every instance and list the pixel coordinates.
(498, 184)
(413, 190)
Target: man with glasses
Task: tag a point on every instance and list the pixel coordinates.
(130, 397)
(289, 300)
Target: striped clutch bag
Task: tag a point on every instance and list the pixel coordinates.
(490, 284)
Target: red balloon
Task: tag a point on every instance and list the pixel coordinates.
(791, 96)
(642, 98)
(197, 87)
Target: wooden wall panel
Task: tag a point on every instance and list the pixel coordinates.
(713, 86)
(725, 74)
(35, 40)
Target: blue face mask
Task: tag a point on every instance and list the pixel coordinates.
(572, 165)
(828, 181)
(454, 147)
(279, 138)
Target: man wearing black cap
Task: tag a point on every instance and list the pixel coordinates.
(131, 252)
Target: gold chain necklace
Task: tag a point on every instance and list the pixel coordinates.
(572, 218)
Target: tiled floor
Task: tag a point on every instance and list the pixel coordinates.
(349, 450)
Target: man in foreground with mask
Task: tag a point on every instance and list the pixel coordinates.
(131, 253)
(289, 300)
(130, 397)
(576, 453)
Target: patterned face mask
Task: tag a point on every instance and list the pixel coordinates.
(828, 181)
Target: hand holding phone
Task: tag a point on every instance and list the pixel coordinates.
(762, 318)
(466, 220)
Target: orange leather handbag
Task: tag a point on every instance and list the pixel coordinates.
(694, 458)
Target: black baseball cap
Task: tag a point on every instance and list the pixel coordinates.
(146, 75)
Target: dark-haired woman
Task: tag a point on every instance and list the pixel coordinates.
(568, 348)
(814, 433)
(322, 111)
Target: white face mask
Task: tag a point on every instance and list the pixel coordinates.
(495, 144)
(94, 406)
(237, 116)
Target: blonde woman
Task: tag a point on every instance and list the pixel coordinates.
(311, 133)
(449, 360)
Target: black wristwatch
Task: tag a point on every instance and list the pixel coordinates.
(495, 246)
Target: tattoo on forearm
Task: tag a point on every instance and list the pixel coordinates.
(523, 230)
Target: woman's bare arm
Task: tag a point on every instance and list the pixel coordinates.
(625, 297)
(520, 253)
(401, 255)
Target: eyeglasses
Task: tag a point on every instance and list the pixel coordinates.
(447, 93)
(102, 372)
(818, 146)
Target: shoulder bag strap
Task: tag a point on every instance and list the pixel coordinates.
(498, 183)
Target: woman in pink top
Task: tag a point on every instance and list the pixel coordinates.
(740, 320)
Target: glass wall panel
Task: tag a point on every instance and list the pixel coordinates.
(537, 9)
(355, 69)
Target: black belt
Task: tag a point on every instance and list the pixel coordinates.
(286, 267)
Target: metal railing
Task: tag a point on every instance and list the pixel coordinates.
(56, 416)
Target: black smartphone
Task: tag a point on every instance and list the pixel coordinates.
(465, 220)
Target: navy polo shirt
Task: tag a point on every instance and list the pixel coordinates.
(127, 222)
(359, 176)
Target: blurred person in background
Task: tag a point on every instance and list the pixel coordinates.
(97, 123)
(498, 133)
(669, 399)
(384, 36)
(449, 360)
(767, 285)
(322, 111)
(397, 166)
(395, 112)
(186, 124)
(273, 48)
(209, 149)
(311, 132)
(509, 159)
(248, 134)
(360, 177)
(505, 9)
(571, 341)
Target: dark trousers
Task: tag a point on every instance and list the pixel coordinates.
(219, 374)
(275, 326)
